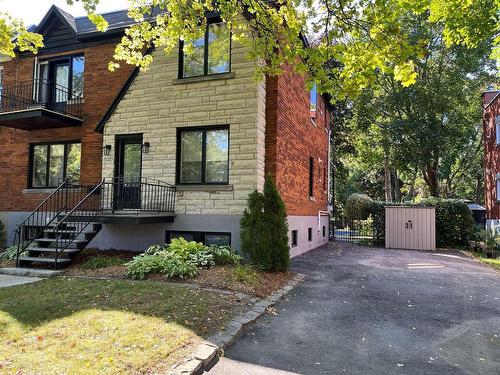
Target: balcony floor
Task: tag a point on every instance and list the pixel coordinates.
(37, 118)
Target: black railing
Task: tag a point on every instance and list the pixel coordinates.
(61, 200)
(73, 224)
(122, 195)
(40, 93)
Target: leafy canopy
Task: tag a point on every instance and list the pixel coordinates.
(352, 41)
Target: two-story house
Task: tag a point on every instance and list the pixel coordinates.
(491, 140)
(133, 158)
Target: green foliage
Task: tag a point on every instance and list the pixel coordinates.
(264, 229)
(2, 234)
(180, 259)
(454, 221)
(9, 253)
(358, 206)
(101, 261)
(246, 274)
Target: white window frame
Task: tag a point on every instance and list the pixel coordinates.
(497, 129)
(497, 187)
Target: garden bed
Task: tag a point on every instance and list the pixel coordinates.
(256, 283)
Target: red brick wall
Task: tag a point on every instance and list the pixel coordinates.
(491, 156)
(100, 85)
(291, 139)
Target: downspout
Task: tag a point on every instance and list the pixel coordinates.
(329, 206)
(324, 213)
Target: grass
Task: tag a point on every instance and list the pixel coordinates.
(495, 263)
(102, 261)
(104, 326)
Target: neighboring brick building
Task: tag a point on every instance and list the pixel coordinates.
(491, 134)
(201, 128)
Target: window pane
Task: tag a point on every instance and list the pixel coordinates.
(132, 158)
(56, 166)
(186, 236)
(39, 166)
(217, 154)
(62, 79)
(218, 239)
(191, 149)
(77, 77)
(194, 59)
(218, 48)
(313, 97)
(73, 164)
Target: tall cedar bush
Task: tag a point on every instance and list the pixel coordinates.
(2, 234)
(264, 229)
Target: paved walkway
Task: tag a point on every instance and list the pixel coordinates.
(376, 311)
(8, 280)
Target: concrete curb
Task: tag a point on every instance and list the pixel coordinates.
(30, 272)
(208, 351)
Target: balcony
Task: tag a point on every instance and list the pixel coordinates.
(39, 104)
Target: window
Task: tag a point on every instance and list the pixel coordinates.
(313, 100)
(309, 234)
(311, 177)
(207, 238)
(50, 163)
(67, 76)
(324, 231)
(203, 156)
(498, 187)
(210, 54)
(295, 239)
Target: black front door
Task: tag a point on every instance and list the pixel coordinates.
(60, 89)
(128, 160)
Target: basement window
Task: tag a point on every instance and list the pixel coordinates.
(324, 231)
(206, 238)
(295, 237)
(309, 234)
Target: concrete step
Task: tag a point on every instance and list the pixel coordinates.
(52, 250)
(30, 272)
(44, 260)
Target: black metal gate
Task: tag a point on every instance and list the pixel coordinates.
(347, 229)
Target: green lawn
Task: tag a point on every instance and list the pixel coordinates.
(83, 326)
(495, 263)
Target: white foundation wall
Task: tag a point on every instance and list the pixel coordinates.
(302, 224)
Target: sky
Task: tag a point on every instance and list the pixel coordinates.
(32, 11)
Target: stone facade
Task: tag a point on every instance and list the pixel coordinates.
(157, 103)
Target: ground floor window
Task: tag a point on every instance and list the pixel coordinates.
(52, 162)
(207, 238)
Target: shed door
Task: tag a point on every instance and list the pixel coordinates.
(410, 228)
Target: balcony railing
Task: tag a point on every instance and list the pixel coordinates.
(40, 93)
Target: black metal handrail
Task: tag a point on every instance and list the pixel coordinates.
(63, 198)
(137, 195)
(40, 93)
(73, 224)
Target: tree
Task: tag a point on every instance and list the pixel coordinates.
(264, 229)
(431, 127)
(364, 37)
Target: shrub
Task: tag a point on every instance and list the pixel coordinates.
(2, 234)
(264, 229)
(184, 248)
(101, 261)
(358, 206)
(246, 274)
(172, 265)
(9, 253)
(223, 255)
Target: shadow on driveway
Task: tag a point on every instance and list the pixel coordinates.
(368, 310)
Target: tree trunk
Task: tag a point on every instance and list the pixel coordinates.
(397, 187)
(387, 179)
(430, 174)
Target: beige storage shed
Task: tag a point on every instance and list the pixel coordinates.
(409, 227)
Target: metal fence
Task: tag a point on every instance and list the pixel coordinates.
(347, 229)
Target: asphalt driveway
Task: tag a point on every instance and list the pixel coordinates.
(374, 311)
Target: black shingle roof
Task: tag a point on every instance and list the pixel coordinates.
(116, 19)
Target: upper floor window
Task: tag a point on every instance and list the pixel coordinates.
(203, 155)
(497, 129)
(60, 79)
(52, 162)
(210, 54)
(313, 100)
